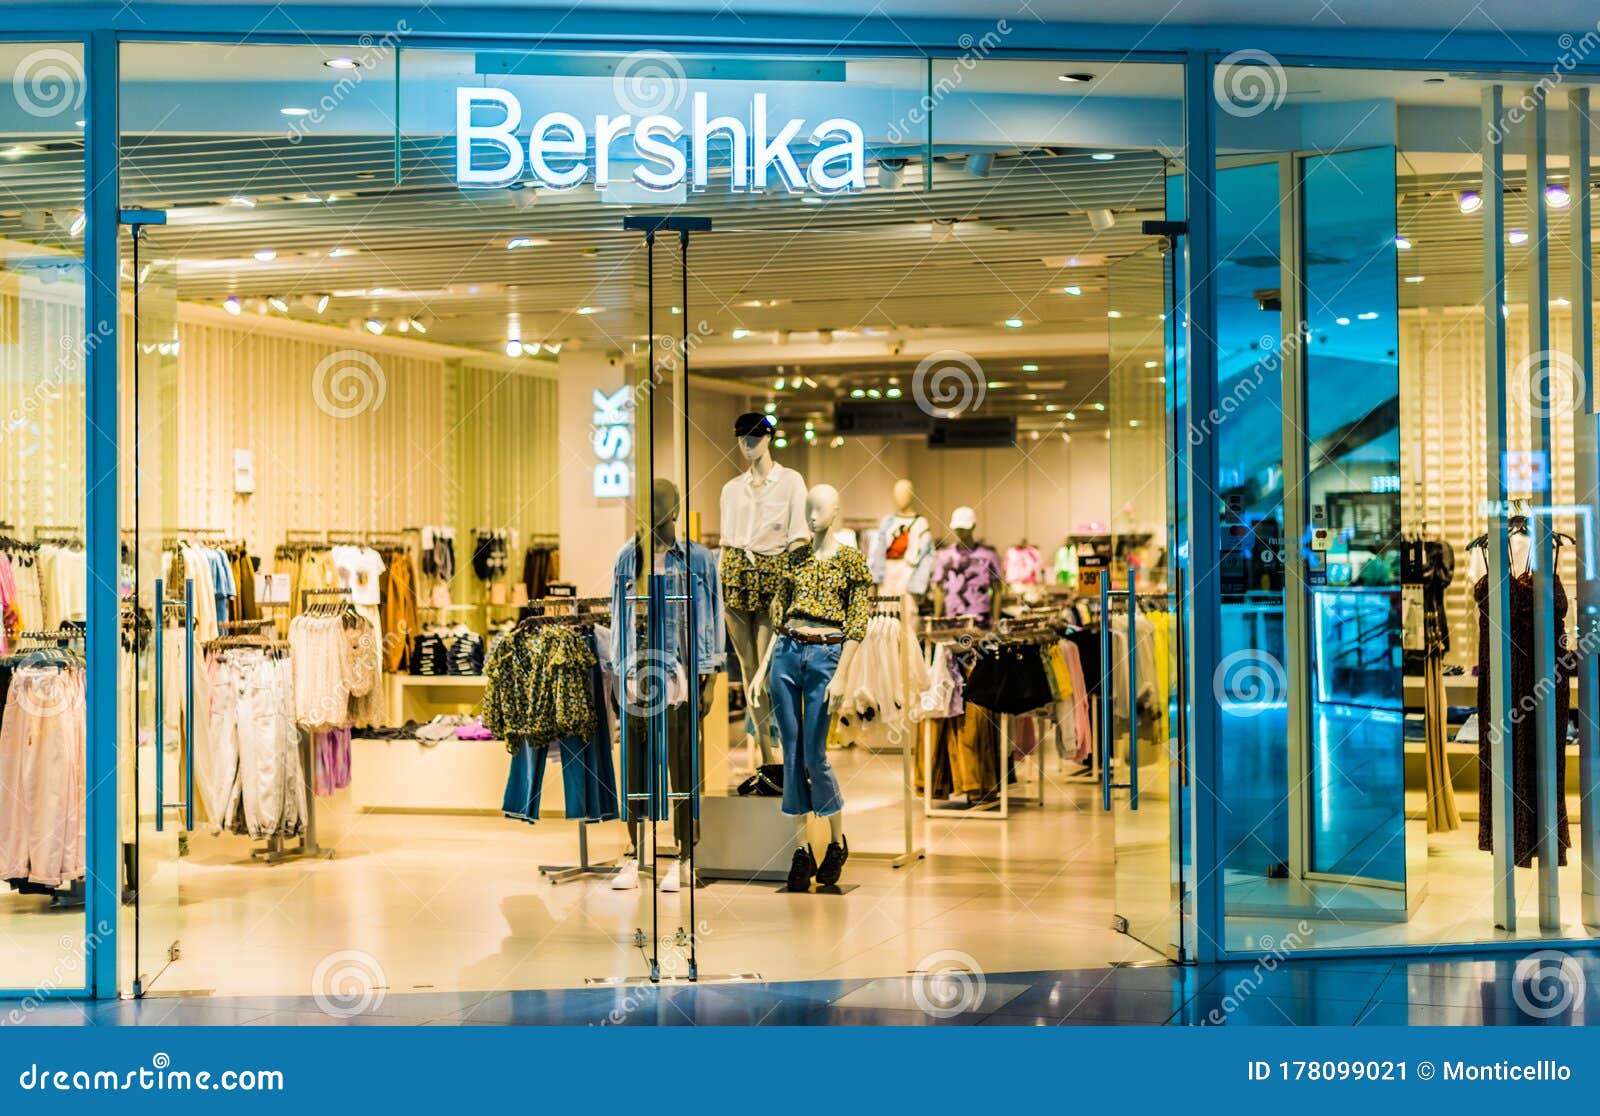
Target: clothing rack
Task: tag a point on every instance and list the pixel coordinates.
(893, 606)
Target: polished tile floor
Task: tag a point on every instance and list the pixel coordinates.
(1545, 989)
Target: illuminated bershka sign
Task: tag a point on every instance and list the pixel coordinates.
(561, 152)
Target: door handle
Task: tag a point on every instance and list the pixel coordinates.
(1133, 698)
(161, 705)
(188, 704)
(1106, 692)
(162, 805)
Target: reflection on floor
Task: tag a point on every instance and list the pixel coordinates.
(1559, 990)
(456, 903)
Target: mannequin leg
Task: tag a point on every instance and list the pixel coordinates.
(745, 630)
(836, 828)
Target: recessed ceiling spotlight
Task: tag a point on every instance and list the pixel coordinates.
(244, 201)
(858, 393)
(338, 253)
(231, 305)
(1103, 156)
(513, 346)
(343, 62)
(1556, 196)
(1113, 313)
(585, 311)
(266, 255)
(374, 326)
(294, 110)
(810, 199)
(524, 242)
(322, 303)
(278, 304)
(1368, 316)
(1030, 368)
(1099, 406)
(1403, 243)
(1013, 323)
(893, 393)
(1075, 77)
(1516, 236)
(1469, 201)
(1341, 321)
(1415, 278)
(1072, 290)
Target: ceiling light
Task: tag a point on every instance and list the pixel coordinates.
(874, 393)
(1415, 278)
(76, 222)
(1103, 156)
(524, 242)
(1113, 313)
(266, 255)
(1075, 78)
(677, 309)
(1099, 406)
(893, 393)
(1560, 302)
(1030, 368)
(1152, 364)
(322, 303)
(278, 304)
(1073, 290)
(343, 62)
(979, 164)
(1013, 323)
(858, 393)
(838, 440)
(243, 200)
(1341, 321)
(891, 173)
(417, 326)
(294, 110)
(810, 435)
(780, 443)
(1072, 416)
(1368, 316)
(585, 311)
(1469, 201)
(810, 199)
(513, 346)
(780, 383)
(1516, 236)
(1556, 196)
(231, 305)
(336, 253)
(1101, 219)
(374, 326)
(1403, 243)
(740, 334)
(18, 150)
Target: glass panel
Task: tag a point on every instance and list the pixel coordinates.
(1148, 885)
(42, 567)
(1355, 823)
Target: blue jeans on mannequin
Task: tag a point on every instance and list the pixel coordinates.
(798, 684)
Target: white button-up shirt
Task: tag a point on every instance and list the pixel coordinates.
(766, 517)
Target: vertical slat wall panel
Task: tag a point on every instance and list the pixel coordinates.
(41, 405)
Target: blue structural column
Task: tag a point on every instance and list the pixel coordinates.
(101, 539)
(1198, 468)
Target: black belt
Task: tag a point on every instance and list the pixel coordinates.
(814, 638)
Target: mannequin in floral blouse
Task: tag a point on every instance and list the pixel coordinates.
(820, 614)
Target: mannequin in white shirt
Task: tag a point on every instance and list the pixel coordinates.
(899, 574)
(750, 631)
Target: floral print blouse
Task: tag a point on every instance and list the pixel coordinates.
(837, 589)
(539, 686)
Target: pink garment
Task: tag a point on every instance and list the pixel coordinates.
(10, 613)
(1080, 703)
(1023, 565)
(1024, 736)
(331, 760)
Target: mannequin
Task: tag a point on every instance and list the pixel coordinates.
(821, 614)
(968, 574)
(672, 558)
(763, 525)
(902, 556)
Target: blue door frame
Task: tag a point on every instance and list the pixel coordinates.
(101, 28)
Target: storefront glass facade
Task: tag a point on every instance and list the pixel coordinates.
(1269, 305)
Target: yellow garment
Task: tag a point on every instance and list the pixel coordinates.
(1161, 628)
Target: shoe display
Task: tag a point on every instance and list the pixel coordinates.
(667, 877)
(802, 869)
(627, 877)
(833, 862)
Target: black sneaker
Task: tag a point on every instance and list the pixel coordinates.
(802, 869)
(833, 862)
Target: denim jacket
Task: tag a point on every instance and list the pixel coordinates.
(710, 632)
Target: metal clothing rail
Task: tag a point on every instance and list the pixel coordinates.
(893, 606)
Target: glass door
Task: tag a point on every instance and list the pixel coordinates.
(156, 680)
(1142, 722)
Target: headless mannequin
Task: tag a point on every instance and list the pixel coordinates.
(751, 631)
(822, 514)
(664, 508)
